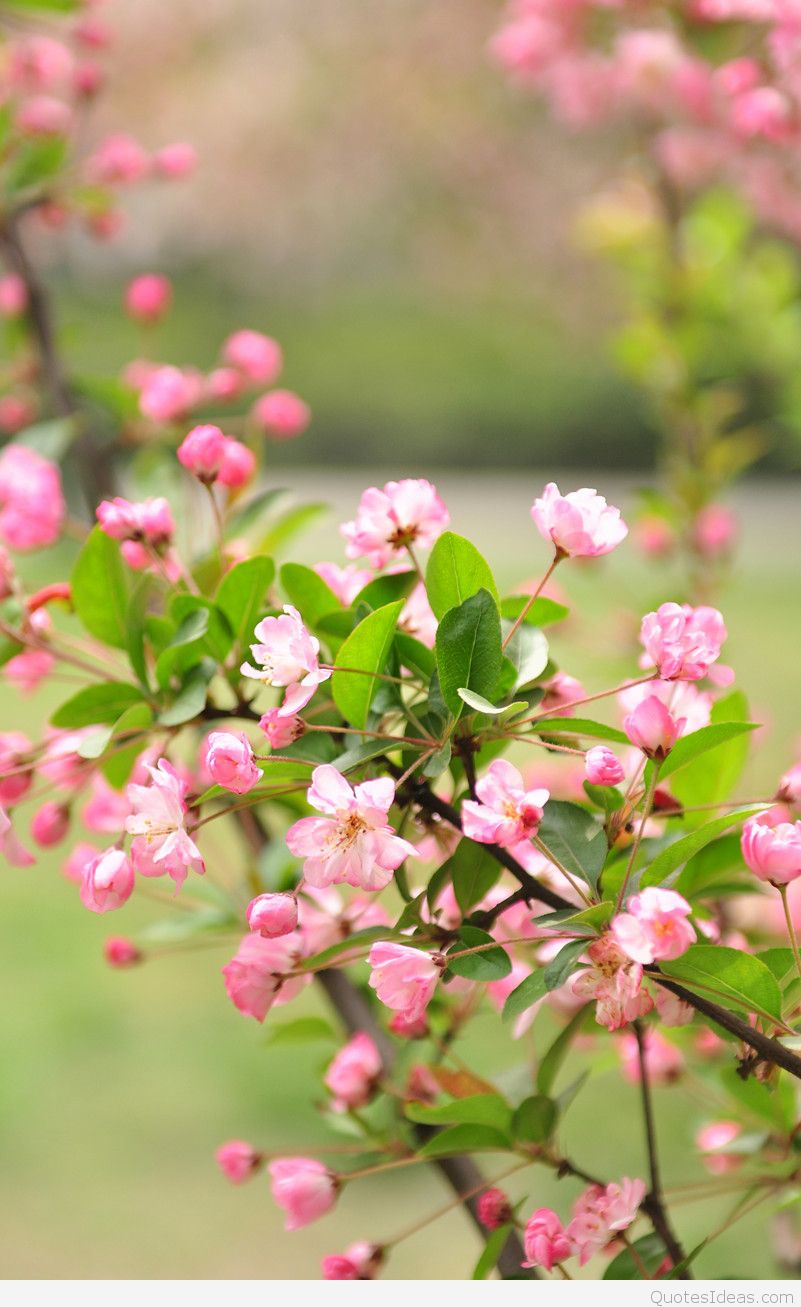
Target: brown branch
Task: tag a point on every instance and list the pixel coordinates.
(771, 1050)
(653, 1204)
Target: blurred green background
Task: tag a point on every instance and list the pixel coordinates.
(375, 196)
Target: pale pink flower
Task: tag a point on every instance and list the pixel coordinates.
(121, 952)
(403, 513)
(712, 1140)
(259, 358)
(238, 1160)
(417, 618)
(360, 1261)
(280, 731)
(229, 761)
(545, 1240)
(15, 771)
(13, 295)
(148, 297)
(654, 535)
(714, 531)
(655, 927)
(673, 1011)
(224, 384)
(615, 982)
(238, 465)
(281, 414)
(259, 975)
(403, 978)
(685, 701)
(790, 786)
(150, 520)
(32, 507)
(507, 812)
(273, 915)
(175, 161)
(352, 842)
(201, 452)
(10, 846)
(169, 394)
(580, 524)
(44, 115)
(773, 853)
(602, 767)
(682, 642)
(652, 728)
(344, 582)
(494, 1209)
(304, 1188)
(73, 866)
(117, 160)
(560, 692)
(37, 62)
(601, 1213)
(287, 657)
(107, 881)
(158, 822)
(352, 1075)
(50, 823)
(664, 1062)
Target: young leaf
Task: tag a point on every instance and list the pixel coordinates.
(491, 1252)
(564, 964)
(730, 975)
(553, 1059)
(478, 1109)
(700, 783)
(465, 1139)
(492, 963)
(575, 838)
(472, 872)
(365, 650)
(308, 592)
(579, 726)
(681, 850)
(543, 612)
(535, 1119)
(528, 992)
(700, 742)
(101, 587)
(468, 649)
(96, 704)
(242, 596)
(456, 570)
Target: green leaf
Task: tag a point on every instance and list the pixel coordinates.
(53, 6)
(366, 651)
(472, 873)
(574, 837)
(304, 1030)
(242, 596)
(478, 1109)
(383, 590)
(35, 161)
(605, 797)
(96, 704)
(491, 1252)
(415, 655)
(120, 757)
(734, 977)
(700, 742)
(465, 1139)
(101, 588)
(185, 648)
(579, 726)
(288, 524)
(543, 612)
(564, 964)
(478, 703)
(681, 850)
(191, 698)
(528, 651)
(456, 570)
(358, 940)
(490, 964)
(468, 649)
(651, 1253)
(308, 592)
(550, 1064)
(699, 783)
(535, 1119)
(528, 992)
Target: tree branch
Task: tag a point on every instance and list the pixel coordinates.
(653, 1203)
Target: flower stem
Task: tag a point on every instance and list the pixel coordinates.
(526, 609)
(788, 917)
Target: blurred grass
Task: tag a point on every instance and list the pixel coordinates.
(116, 1087)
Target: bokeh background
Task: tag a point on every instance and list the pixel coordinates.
(372, 193)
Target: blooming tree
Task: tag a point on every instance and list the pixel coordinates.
(436, 820)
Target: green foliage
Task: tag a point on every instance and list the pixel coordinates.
(468, 650)
(101, 587)
(96, 704)
(681, 850)
(308, 592)
(491, 963)
(455, 571)
(366, 651)
(477, 1109)
(464, 1139)
(535, 1119)
(732, 977)
(702, 783)
(574, 837)
(242, 596)
(527, 993)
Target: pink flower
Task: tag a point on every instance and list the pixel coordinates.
(38, 63)
(26, 670)
(287, 657)
(119, 159)
(344, 582)
(545, 1240)
(353, 842)
(224, 384)
(280, 731)
(13, 295)
(229, 761)
(417, 617)
(50, 823)
(201, 452)
(655, 536)
(403, 513)
(44, 115)
(655, 927)
(32, 507)
(352, 1075)
(10, 846)
(169, 393)
(175, 161)
(615, 982)
(238, 465)
(672, 1011)
(259, 974)
(107, 808)
(713, 1140)
(773, 853)
(682, 642)
(360, 1261)
(494, 1209)
(273, 915)
(147, 298)
(281, 414)
(601, 1213)
(257, 357)
(790, 786)
(157, 821)
(507, 813)
(714, 531)
(664, 1062)
(651, 728)
(15, 772)
(580, 524)
(238, 1160)
(304, 1188)
(150, 521)
(403, 978)
(602, 767)
(120, 952)
(108, 881)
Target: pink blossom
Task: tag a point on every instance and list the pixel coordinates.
(602, 767)
(353, 842)
(273, 915)
(259, 358)
(169, 394)
(352, 1075)
(117, 160)
(13, 295)
(683, 699)
(88, 79)
(713, 1140)
(655, 927)
(280, 731)
(201, 452)
(108, 881)
(580, 524)
(545, 1240)
(507, 813)
(16, 412)
(344, 582)
(147, 298)
(652, 728)
(238, 1160)
(404, 1028)
(27, 670)
(50, 823)
(615, 982)
(654, 535)
(73, 866)
(682, 642)
(229, 760)
(286, 655)
(15, 772)
(601, 1213)
(44, 115)
(664, 1062)
(224, 384)
(32, 507)
(121, 952)
(403, 978)
(560, 694)
(403, 513)
(150, 521)
(175, 161)
(360, 1261)
(10, 846)
(281, 414)
(157, 820)
(790, 786)
(304, 1188)
(773, 853)
(672, 1010)
(714, 531)
(260, 974)
(417, 617)
(237, 466)
(494, 1209)
(37, 62)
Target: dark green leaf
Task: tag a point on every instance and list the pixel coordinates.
(468, 649)
(528, 992)
(492, 963)
(242, 596)
(308, 592)
(191, 698)
(96, 704)
(681, 850)
(366, 651)
(383, 590)
(456, 570)
(579, 726)
(535, 1119)
(491, 1252)
(464, 1139)
(650, 1252)
(472, 872)
(553, 1059)
(564, 964)
(528, 651)
(101, 588)
(732, 976)
(574, 837)
(700, 742)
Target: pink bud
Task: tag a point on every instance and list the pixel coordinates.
(304, 1188)
(772, 852)
(201, 452)
(280, 731)
(168, 394)
(50, 824)
(88, 79)
(238, 1160)
(224, 384)
(651, 728)
(44, 115)
(229, 760)
(545, 1240)
(714, 531)
(602, 767)
(108, 881)
(281, 414)
(238, 465)
(259, 358)
(494, 1209)
(361, 1261)
(13, 296)
(175, 161)
(121, 952)
(148, 297)
(273, 915)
